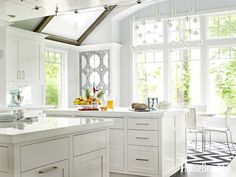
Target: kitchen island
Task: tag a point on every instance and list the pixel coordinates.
(151, 144)
(52, 147)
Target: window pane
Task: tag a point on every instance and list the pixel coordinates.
(53, 69)
(147, 32)
(184, 30)
(223, 80)
(222, 26)
(186, 75)
(149, 76)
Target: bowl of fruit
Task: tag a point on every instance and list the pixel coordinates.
(88, 101)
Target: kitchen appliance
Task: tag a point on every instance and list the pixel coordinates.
(152, 103)
(16, 98)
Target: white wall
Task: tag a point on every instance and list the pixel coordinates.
(72, 68)
(2, 64)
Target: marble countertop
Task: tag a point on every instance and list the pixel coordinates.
(29, 107)
(118, 112)
(46, 127)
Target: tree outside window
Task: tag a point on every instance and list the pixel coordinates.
(53, 72)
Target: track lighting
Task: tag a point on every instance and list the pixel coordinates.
(139, 1)
(76, 11)
(36, 7)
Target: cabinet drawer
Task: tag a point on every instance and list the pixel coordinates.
(60, 169)
(143, 159)
(39, 154)
(4, 159)
(142, 124)
(116, 136)
(143, 138)
(89, 142)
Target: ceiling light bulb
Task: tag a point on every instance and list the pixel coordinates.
(76, 11)
(139, 1)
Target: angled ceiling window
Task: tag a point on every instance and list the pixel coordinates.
(72, 26)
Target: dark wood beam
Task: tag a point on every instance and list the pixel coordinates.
(62, 39)
(43, 23)
(95, 24)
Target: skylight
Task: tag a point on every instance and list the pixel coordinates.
(72, 26)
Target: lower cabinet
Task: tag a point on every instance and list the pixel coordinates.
(60, 169)
(143, 159)
(93, 164)
(116, 149)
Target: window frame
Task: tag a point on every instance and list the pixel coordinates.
(64, 81)
(204, 44)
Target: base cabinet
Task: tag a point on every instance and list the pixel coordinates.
(93, 164)
(60, 169)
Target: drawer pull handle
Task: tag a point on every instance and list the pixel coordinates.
(146, 160)
(42, 172)
(142, 124)
(142, 138)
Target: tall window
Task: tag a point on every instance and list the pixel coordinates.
(149, 75)
(186, 74)
(53, 71)
(222, 26)
(222, 67)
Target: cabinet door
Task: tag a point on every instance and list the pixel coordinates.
(93, 164)
(116, 149)
(11, 60)
(180, 139)
(60, 169)
(29, 60)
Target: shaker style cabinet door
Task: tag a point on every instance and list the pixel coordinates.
(12, 73)
(60, 169)
(92, 164)
(29, 60)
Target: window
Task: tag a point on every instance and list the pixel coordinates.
(222, 68)
(186, 74)
(147, 32)
(184, 29)
(149, 75)
(54, 72)
(222, 26)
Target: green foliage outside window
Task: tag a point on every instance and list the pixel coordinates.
(53, 78)
(183, 79)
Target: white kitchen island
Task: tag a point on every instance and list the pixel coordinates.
(151, 144)
(52, 147)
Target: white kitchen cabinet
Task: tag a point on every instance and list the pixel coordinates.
(29, 54)
(11, 59)
(23, 57)
(60, 169)
(4, 159)
(116, 149)
(93, 164)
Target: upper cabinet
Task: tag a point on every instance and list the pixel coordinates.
(23, 58)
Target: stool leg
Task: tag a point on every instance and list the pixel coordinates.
(231, 138)
(228, 142)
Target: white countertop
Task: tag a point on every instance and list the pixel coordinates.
(46, 127)
(29, 107)
(118, 112)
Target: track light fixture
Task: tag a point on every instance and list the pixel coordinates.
(139, 1)
(76, 11)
